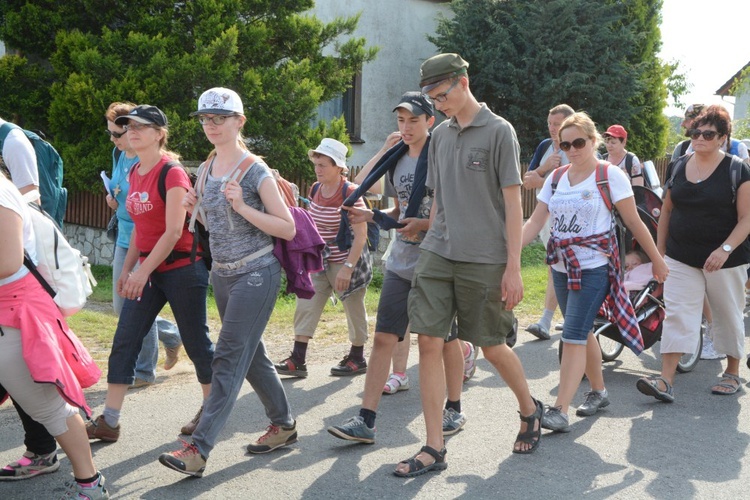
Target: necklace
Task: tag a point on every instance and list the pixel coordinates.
(125, 171)
(701, 177)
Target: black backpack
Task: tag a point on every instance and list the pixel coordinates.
(735, 171)
(373, 230)
(200, 236)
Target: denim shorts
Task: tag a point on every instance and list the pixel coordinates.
(579, 307)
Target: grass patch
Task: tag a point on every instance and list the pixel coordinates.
(96, 324)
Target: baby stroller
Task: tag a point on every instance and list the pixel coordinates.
(647, 303)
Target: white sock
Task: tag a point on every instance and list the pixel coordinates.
(546, 320)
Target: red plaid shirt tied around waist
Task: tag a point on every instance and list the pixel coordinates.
(617, 306)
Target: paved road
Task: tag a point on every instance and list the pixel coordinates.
(635, 448)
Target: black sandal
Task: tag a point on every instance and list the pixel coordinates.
(417, 468)
(531, 436)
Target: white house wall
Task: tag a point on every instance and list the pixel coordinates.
(399, 28)
(741, 106)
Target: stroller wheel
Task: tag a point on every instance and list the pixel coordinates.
(689, 360)
(610, 348)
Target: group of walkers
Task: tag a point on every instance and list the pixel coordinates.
(453, 271)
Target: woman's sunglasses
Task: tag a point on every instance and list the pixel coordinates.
(707, 134)
(116, 135)
(577, 143)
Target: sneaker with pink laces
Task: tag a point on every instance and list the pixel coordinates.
(188, 460)
(276, 436)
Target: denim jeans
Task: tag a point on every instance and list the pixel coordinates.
(162, 330)
(579, 307)
(245, 303)
(185, 290)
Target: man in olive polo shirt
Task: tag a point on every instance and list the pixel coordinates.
(470, 259)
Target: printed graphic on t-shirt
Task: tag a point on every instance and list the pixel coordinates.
(403, 178)
(478, 159)
(138, 203)
(575, 214)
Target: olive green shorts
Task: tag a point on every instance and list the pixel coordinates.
(443, 289)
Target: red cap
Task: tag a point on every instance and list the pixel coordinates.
(616, 131)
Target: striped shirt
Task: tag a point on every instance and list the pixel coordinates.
(325, 213)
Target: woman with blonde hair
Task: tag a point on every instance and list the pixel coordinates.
(166, 273)
(123, 159)
(243, 212)
(584, 256)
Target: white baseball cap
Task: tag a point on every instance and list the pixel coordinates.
(219, 101)
(332, 148)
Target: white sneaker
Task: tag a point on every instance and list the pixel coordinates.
(396, 383)
(709, 352)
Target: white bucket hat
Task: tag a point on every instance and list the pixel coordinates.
(333, 149)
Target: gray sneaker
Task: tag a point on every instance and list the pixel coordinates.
(93, 491)
(354, 429)
(452, 421)
(555, 420)
(593, 402)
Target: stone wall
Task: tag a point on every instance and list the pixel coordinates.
(94, 244)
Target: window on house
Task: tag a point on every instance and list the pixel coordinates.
(350, 105)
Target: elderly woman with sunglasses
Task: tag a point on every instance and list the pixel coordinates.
(158, 267)
(703, 229)
(585, 260)
(123, 159)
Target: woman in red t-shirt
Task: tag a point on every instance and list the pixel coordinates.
(161, 246)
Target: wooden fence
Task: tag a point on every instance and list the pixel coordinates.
(90, 209)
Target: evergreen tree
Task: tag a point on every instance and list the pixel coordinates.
(600, 57)
(167, 53)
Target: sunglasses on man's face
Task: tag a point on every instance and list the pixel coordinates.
(116, 135)
(577, 143)
(707, 134)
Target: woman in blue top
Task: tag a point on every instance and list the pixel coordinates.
(123, 158)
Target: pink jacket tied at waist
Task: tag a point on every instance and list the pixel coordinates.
(302, 255)
(616, 304)
(51, 350)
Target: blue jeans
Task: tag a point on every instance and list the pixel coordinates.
(245, 303)
(185, 290)
(579, 307)
(161, 330)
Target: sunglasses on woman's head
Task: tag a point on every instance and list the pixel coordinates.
(577, 143)
(707, 134)
(116, 135)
